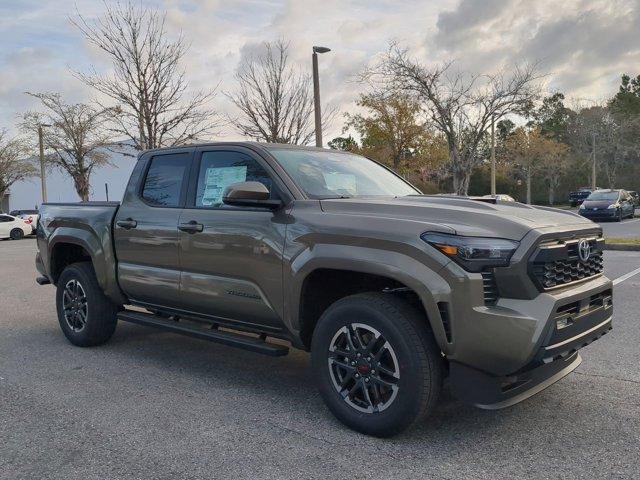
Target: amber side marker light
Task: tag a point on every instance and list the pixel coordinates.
(447, 249)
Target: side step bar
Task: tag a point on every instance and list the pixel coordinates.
(246, 342)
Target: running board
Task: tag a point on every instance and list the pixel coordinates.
(246, 342)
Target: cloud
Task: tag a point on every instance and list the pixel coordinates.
(584, 45)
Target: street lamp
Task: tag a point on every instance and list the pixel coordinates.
(43, 180)
(316, 93)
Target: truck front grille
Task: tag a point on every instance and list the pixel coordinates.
(558, 263)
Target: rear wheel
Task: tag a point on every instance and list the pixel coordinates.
(16, 234)
(87, 317)
(376, 363)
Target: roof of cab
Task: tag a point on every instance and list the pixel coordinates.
(259, 145)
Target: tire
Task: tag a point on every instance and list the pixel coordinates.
(16, 234)
(619, 217)
(413, 354)
(92, 321)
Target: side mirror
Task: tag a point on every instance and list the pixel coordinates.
(249, 194)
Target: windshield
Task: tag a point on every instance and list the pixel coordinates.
(599, 196)
(326, 174)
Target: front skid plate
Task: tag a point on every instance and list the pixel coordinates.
(492, 393)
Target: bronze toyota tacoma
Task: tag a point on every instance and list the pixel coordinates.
(390, 290)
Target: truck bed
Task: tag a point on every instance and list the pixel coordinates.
(86, 225)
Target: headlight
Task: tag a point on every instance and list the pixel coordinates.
(582, 207)
(615, 205)
(473, 253)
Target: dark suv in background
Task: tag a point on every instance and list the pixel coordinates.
(608, 205)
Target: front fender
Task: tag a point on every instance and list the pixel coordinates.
(422, 279)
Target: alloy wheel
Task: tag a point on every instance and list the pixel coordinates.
(364, 368)
(74, 305)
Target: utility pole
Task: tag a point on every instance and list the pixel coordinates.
(316, 93)
(593, 165)
(493, 155)
(43, 180)
(106, 190)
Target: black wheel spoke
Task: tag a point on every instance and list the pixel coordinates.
(384, 383)
(347, 378)
(356, 341)
(367, 396)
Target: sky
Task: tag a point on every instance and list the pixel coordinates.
(583, 46)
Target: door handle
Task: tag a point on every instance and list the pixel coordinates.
(127, 223)
(191, 227)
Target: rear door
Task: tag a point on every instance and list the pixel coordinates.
(146, 229)
(232, 264)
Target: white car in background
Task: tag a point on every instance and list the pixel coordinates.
(29, 216)
(13, 228)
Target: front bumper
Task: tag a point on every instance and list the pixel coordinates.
(518, 347)
(601, 213)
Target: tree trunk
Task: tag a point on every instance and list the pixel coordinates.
(528, 186)
(551, 193)
(81, 182)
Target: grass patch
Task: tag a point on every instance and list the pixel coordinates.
(624, 241)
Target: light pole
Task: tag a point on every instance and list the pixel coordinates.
(316, 92)
(593, 164)
(43, 179)
(493, 155)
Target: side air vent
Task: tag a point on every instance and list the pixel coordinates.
(443, 308)
(490, 288)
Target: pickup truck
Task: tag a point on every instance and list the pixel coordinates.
(268, 247)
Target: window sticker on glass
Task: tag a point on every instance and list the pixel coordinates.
(217, 179)
(341, 182)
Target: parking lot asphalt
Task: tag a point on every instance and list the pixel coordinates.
(153, 405)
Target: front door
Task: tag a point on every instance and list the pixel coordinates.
(232, 259)
(146, 230)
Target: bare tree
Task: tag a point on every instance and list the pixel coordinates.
(275, 101)
(14, 166)
(75, 134)
(460, 106)
(147, 82)
(613, 139)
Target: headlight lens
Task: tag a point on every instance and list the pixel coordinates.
(612, 206)
(582, 207)
(473, 253)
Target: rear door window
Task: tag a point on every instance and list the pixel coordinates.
(164, 183)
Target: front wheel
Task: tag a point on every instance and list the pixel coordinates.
(87, 317)
(376, 363)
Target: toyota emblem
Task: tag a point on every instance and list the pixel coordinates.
(584, 250)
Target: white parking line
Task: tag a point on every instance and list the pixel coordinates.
(626, 276)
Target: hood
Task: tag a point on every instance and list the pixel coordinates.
(598, 203)
(459, 215)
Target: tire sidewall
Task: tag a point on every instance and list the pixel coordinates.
(406, 406)
(16, 234)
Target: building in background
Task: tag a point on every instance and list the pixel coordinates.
(27, 194)
(4, 202)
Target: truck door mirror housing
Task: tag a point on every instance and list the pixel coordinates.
(249, 194)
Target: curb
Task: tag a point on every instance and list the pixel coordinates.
(624, 247)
